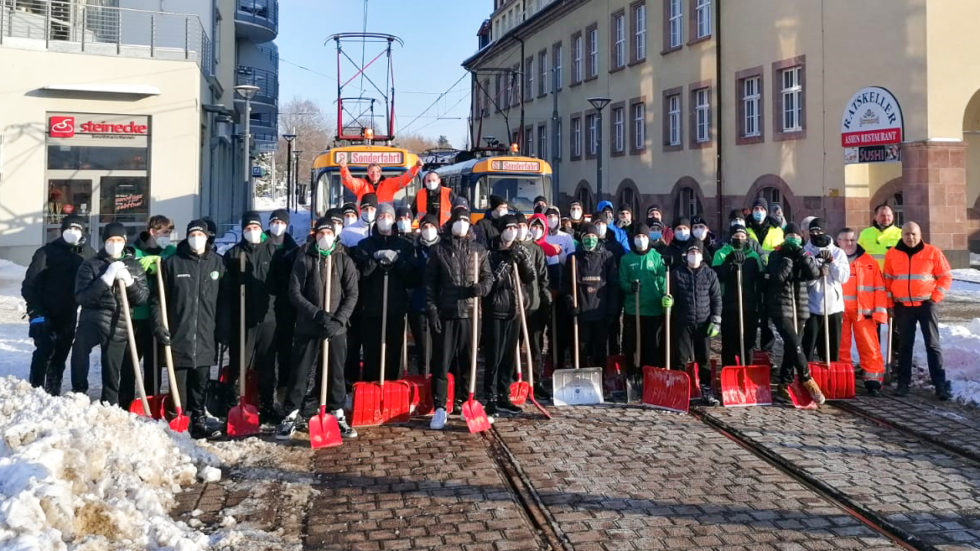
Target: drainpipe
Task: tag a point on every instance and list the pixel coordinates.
(721, 136)
(520, 133)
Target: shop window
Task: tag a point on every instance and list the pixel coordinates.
(66, 196)
(66, 157)
(124, 199)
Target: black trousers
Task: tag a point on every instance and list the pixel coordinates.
(906, 318)
(283, 337)
(729, 334)
(260, 355)
(352, 365)
(616, 333)
(371, 341)
(813, 336)
(192, 383)
(561, 332)
(418, 361)
(52, 343)
(303, 392)
(651, 347)
(499, 342)
(767, 338)
(690, 344)
(152, 363)
(87, 337)
(537, 325)
(794, 360)
(593, 339)
(455, 355)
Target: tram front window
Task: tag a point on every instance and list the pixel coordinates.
(520, 191)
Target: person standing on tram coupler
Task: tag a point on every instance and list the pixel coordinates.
(384, 188)
(736, 256)
(835, 271)
(434, 198)
(281, 265)
(101, 322)
(596, 303)
(450, 287)
(537, 303)
(426, 355)
(48, 289)
(315, 323)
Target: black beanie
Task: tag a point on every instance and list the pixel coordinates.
(429, 219)
(73, 220)
(761, 202)
(681, 221)
(349, 207)
(197, 225)
(251, 217)
(590, 228)
(459, 213)
(369, 200)
(793, 228)
(552, 209)
(697, 220)
(212, 227)
(816, 224)
(694, 243)
(335, 214)
(496, 201)
(540, 199)
(507, 220)
(403, 212)
(281, 215)
(642, 229)
(113, 229)
(323, 223)
(739, 228)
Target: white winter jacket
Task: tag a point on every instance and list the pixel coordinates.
(563, 240)
(840, 271)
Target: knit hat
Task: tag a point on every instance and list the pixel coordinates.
(251, 217)
(590, 228)
(349, 208)
(793, 228)
(739, 228)
(656, 225)
(695, 244)
(625, 208)
(459, 213)
(281, 215)
(403, 212)
(113, 229)
(521, 219)
(682, 221)
(507, 220)
(540, 199)
(761, 202)
(642, 229)
(212, 227)
(735, 214)
(552, 209)
(73, 221)
(698, 220)
(575, 204)
(774, 206)
(197, 225)
(653, 208)
(496, 201)
(335, 214)
(816, 224)
(429, 219)
(369, 200)
(385, 208)
(460, 201)
(323, 223)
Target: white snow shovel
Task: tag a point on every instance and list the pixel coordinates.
(578, 386)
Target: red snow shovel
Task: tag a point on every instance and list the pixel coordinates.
(158, 402)
(180, 421)
(744, 385)
(798, 394)
(835, 378)
(664, 388)
(476, 417)
(377, 403)
(527, 347)
(421, 385)
(243, 419)
(324, 430)
(132, 351)
(519, 389)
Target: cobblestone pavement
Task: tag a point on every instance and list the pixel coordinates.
(917, 487)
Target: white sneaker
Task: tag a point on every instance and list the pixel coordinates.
(438, 419)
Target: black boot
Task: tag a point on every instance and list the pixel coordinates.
(504, 405)
(944, 391)
(873, 388)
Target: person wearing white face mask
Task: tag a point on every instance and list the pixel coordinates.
(558, 238)
(537, 303)
(319, 319)
(101, 322)
(383, 255)
(422, 244)
(349, 213)
(434, 198)
(48, 289)
(281, 265)
(487, 228)
(361, 228)
(701, 232)
(695, 302)
(450, 286)
(642, 278)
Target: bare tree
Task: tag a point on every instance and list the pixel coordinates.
(314, 132)
(415, 143)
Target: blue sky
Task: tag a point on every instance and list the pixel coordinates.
(438, 35)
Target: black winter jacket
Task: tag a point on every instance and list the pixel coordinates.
(449, 274)
(538, 289)
(486, 230)
(597, 274)
(787, 275)
(100, 303)
(191, 284)
(420, 257)
(697, 295)
(258, 301)
(501, 303)
(280, 267)
(49, 284)
(753, 283)
(306, 288)
(401, 274)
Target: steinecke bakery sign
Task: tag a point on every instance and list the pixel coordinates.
(871, 127)
(70, 126)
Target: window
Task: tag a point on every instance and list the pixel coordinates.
(618, 40)
(618, 125)
(542, 140)
(701, 116)
(789, 99)
(575, 143)
(543, 73)
(773, 195)
(592, 129)
(557, 141)
(791, 92)
(628, 196)
(498, 91)
(688, 203)
(529, 78)
(672, 119)
(577, 45)
(486, 90)
(528, 141)
(702, 19)
(584, 196)
(638, 134)
(639, 20)
(751, 89)
(556, 65)
(674, 19)
(593, 61)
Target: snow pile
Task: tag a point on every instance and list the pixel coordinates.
(12, 306)
(960, 344)
(90, 475)
(967, 274)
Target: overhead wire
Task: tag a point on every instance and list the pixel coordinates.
(434, 102)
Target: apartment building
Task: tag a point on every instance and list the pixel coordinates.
(827, 107)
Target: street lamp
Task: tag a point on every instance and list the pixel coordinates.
(296, 155)
(289, 168)
(598, 104)
(247, 92)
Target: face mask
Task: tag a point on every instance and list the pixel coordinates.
(498, 212)
(461, 228)
(736, 222)
(537, 233)
(682, 235)
(576, 214)
(276, 229)
(385, 224)
(404, 226)
(758, 215)
(162, 241)
(553, 222)
(325, 242)
(368, 215)
(821, 240)
(590, 242)
(71, 236)
(522, 233)
(601, 229)
(253, 236)
(656, 235)
(700, 233)
(432, 186)
(114, 248)
(337, 228)
(349, 220)
(694, 260)
(509, 235)
(641, 242)
(738, 243)
(197, 243)
(429, 234)
(793, 241)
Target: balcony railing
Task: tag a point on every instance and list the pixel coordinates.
(76, 27)
(267, 81)
(260, 12)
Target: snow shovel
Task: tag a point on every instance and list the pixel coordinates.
(577, 386)
(377, 403)
(798, 394)
(744, 385)
(664, 388)
(835, 378)
(243, 419)
(138, 372)
(527, 349)
(473, 413)
(324, 430)
(519, 389)
(158, 402)
(180, 421)
(422, 386)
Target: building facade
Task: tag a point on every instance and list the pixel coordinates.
(121, 110)
(716, 102)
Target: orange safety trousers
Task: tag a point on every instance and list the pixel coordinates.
(865, 335)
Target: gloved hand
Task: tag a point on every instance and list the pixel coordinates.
(635, 286)
(786, 263)
(149, 263)
(668, 260)
(667, 301)
(162, 335)
(38, 327)
(321, 318)
(435, 324)
(386, 257)
(521, 254)
(332, 328)
(826, 255)
(570, 305)
(109, 275)
(713, 330)
(737, 257)
(469, 291)
(126, 277)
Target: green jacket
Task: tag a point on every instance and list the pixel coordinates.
(148, 262)
(649, 269)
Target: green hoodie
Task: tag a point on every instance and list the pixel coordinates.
(649, 269)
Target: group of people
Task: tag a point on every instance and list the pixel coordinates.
(433, 269)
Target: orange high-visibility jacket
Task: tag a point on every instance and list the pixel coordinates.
(923, 275)
(864, 291)
(387, 187)
(422, 197)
